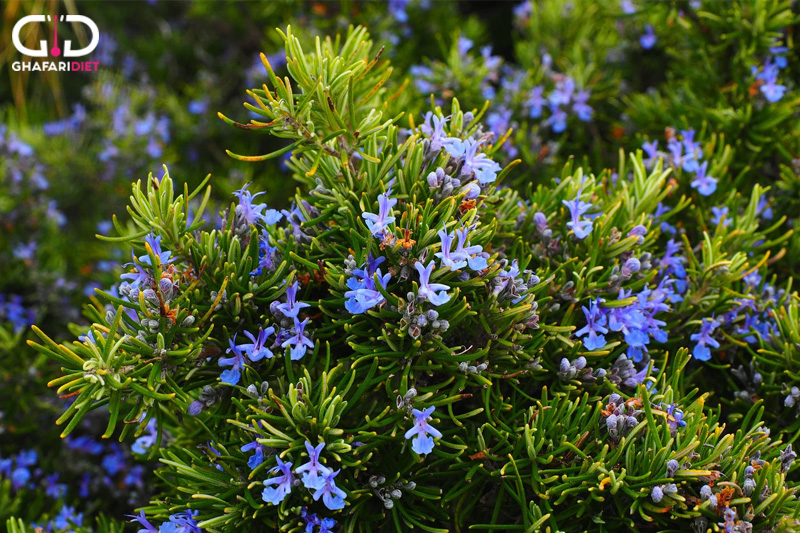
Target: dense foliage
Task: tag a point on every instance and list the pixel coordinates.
(552, 294)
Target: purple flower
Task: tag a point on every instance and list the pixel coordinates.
(580, 106)
(54, 489)
(557, 119)
(292, 306)
(763, 209)
(299, 342)
(596, 321)
(114, 461)
(233, 374)
(704, 184)
(363, 293)
(266, 255)
(536, 102)
(562, 94)
(435, 131)
(651, 149)
(325, 525)
(577, 208)
(254, 213)
(134, 477)
(474, 255)
(422, 432)
(142, 519)
(164, 257)
(313, 471)
(276, 495)
(648, 40)
(377, 224)
(198, 106)
(332, 496)
(719, 213)
(694, 152)
(84, 444)
(484, 169)
(429, 290)
(67, 518)
(20, 477)
(704, 340)
(258, 457)
(257, 350)
(674, 416)
(145, 442)
(628, 7)
(464, 45)
(771, 89)
(181, 523)
(452, 261)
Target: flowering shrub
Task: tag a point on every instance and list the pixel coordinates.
(413, 346)
(448, 325)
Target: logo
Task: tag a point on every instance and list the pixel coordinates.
(55, 50)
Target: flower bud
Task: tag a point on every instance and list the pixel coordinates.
(151, 296)
(166, 287)
(672, 467)
(656, 494)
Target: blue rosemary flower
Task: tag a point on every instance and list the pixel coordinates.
(258, 457)
(435, 293)
(164, 256)
(144, 522)
(474, 255)
(453, 261)
(536, 101)
(276, 495)
(770, 87)
(253, 213)
(596, 321)
(433, 127)
(557, 119)
(233, 374)
(266, 255)
(651, 149)
(67, 518)
(704, 340)
(299, 342)
(704, 184)
(478, 164)
(378, 224)
(581, 107)
(257, 349)
(332, 496)
(325, 525)
(363, 293)
(648, 39)
(313, 471)
(422, 432)
(577, 208)
(292, 306)
(145, 442)
(719, 214)
(184, 522)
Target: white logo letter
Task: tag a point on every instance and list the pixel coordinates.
(42, 52)
(68, 51)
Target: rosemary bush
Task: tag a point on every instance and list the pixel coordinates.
(414, 345)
